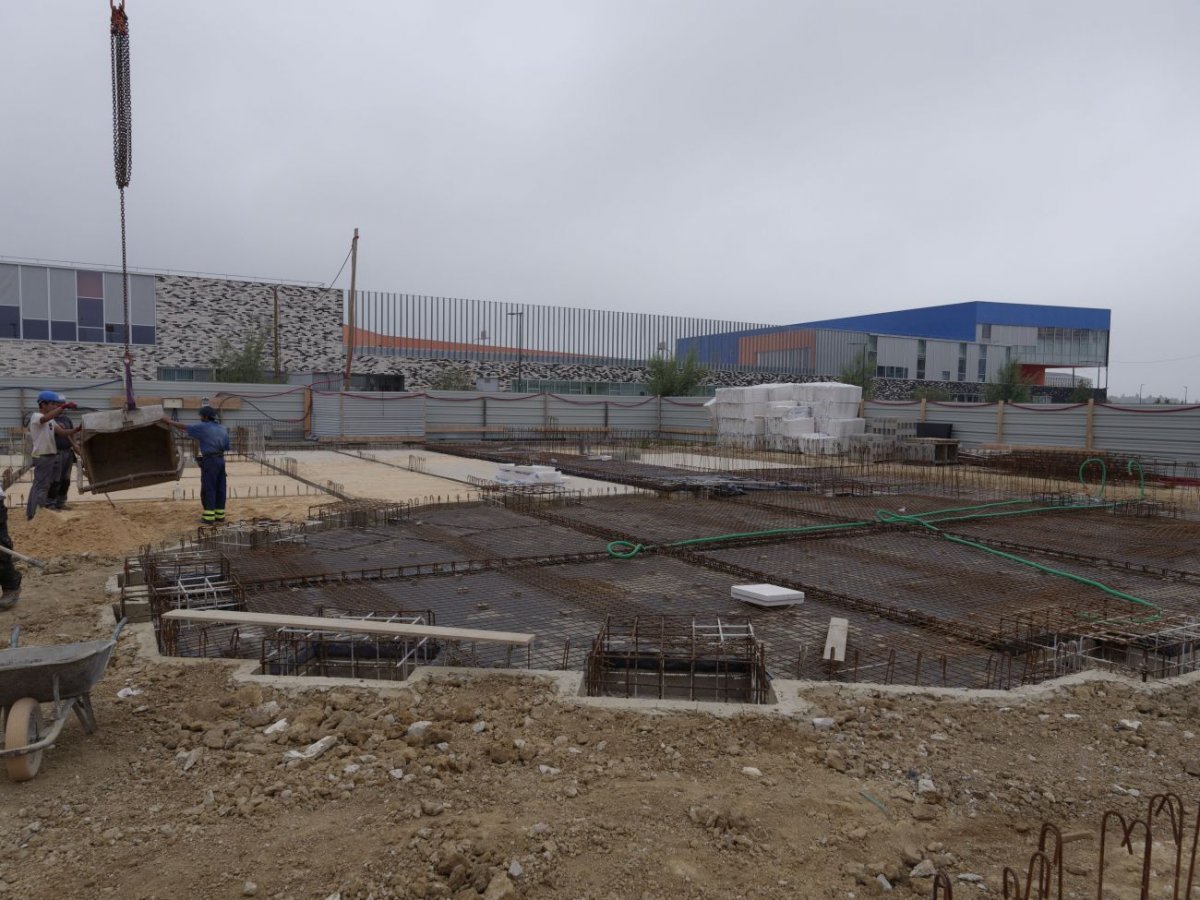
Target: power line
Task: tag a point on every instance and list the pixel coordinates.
(1153, 362)
(344, 261)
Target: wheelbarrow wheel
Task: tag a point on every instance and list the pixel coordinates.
(24, 727)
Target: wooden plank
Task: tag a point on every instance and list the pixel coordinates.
(350, 626)
(835, 642)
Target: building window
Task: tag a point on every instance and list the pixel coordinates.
(176, 374)
(983, 364)
(41, 303)
(962, 362)
(985, 332)
(10, 322)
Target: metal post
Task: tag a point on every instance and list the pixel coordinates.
(275, 290)
(520, 314)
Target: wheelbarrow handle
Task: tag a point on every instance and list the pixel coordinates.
(21, 556)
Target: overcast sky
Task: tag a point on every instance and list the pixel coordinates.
(764, 161)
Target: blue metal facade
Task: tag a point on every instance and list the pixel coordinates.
(720, 351)
(957, 321)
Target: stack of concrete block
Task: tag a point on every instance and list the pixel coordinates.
(817, 417)
(901, 429)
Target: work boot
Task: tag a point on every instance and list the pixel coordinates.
(8, 599)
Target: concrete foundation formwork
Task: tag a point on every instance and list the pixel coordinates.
(1092, 586)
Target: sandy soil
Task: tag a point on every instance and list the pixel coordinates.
(363, 478)
(507, 792)
(245, 480)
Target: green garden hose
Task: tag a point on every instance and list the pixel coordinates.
(1103, 474)
(622, 549)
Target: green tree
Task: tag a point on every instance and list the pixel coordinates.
(857, 372)
(932, 393)
(1011, 385)
(674, 377)
(245, 364)
(1081, 394)
(455, 378)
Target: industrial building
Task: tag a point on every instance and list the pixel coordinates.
(62, 320)
(956, 345)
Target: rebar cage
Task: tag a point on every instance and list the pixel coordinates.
(678, 658)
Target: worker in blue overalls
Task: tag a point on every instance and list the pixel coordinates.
(212, 440)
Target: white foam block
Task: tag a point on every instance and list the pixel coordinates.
(769, 595)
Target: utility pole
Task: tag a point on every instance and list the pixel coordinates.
(353, 317)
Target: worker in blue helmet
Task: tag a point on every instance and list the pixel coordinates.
(212, 439)
(43, 429)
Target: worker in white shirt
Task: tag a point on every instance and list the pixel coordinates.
(42, 429)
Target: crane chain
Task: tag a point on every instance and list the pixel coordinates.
(122, 98)
(122, 105)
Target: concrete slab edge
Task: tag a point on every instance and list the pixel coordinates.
(789, 698)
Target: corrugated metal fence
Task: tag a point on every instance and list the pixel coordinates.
(284, 411)
(347, 414)
(1160, 432)
(240, 404)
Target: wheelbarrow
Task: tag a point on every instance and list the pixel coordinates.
(62, 675)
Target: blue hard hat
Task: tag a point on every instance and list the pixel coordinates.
(49, 397)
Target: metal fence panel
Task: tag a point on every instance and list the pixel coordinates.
(1046, 425)
(337, 414)
(461, 329)
(563, 412)
(634, 415)
(906, 410)
(1166, 432)
(516, 411)
(239, 404)
(974, 423)
(686, 418)
(452, 410)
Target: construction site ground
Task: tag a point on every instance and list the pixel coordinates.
(497, 787)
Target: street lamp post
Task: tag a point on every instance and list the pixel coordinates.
(1185, 394)
(520, 314)
(1140, 386)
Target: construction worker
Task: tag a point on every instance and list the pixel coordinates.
(10, 578)
(212, 440)
(60, 484)
(42, 431)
